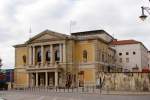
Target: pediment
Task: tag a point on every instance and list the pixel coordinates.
(46, 36)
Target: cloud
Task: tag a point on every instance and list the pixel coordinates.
(115, 16)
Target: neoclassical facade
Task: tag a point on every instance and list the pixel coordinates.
(52, 59)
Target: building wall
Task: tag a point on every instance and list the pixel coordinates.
(20, 74)
(80, 46)
(144, 57)
(19, 53)
(137, 60)
(73, 63)
(87, 67)
(148, 59)
(93, 66)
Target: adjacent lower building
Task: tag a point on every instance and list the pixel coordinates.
(148, 60)
(130, 54)
(54, 59)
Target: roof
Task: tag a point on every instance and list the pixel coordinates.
(19, 45)
(47, 32)
(91, 33)
(124, 42)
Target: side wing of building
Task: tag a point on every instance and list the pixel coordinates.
(21, 61)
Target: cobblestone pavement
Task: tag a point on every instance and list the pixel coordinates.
(40, 95)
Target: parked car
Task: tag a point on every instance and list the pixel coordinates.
(2, 98)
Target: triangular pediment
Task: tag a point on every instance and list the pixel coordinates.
(47, 35)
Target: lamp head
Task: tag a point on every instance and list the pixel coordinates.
(143, 17)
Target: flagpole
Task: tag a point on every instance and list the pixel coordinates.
(30, 31)
(70, 27)
(72, 23)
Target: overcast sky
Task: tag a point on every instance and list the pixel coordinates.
(118, 17)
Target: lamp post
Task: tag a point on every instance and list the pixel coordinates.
(144, 9)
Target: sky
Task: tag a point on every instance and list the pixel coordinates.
(119, 18)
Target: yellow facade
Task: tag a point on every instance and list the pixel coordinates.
(79, 59)
(21, 75)
(80, 46)
(19, 53)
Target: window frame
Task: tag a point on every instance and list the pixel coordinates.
(85, 55)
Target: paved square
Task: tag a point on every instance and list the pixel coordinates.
(21, 95)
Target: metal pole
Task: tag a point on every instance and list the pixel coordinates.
(142, 8)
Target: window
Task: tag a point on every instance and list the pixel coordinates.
(39, 56)
(109, 69)
(102, 57)
(134, 52)
(127, 53)
(24, 59)
(120, 54)
(127, 60)
(84, 56)
(57, 55)
(120, 60)
(48, 55)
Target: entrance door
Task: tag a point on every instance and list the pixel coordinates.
(51, 79)
(41, 79)
(81, 78)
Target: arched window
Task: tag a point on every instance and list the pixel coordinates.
(48, 55)
(39, 56)
(102, 57)
(24, 59)
(57, 55)
(85, 56)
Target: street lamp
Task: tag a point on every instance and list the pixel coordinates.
(143, 16)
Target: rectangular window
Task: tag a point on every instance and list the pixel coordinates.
(120, 60)
(127, 53)
(134, 53)
(120, 54)
(127, 60)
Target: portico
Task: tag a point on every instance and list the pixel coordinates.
(44, 64)
(46, 59)
(44, 79)
(47, 53)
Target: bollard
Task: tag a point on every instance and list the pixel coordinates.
(72, 88)
(56, 88)
(93, 89)
(68, 89)
(82, 89)
(60, 89)
(100, 89)
(87, 89)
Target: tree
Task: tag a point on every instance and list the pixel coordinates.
(0, 62)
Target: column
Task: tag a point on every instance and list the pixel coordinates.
(51, 52)
(64, 52)
(56, 78)
(32, 80)
(42, 55)
(46, 79)
(36, 78)
(30, 55)
(29, 80)
(60, 50)
(33, 55)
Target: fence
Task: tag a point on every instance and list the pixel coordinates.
(116, 82)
